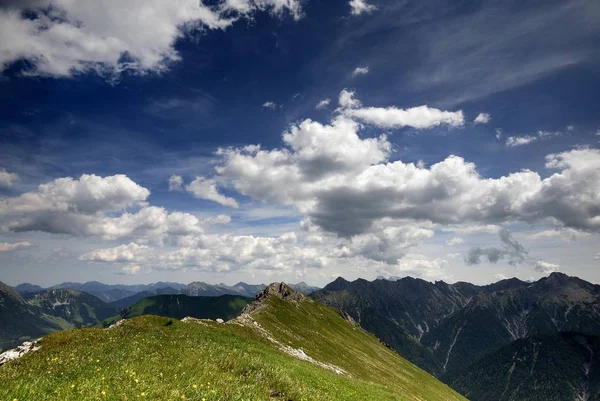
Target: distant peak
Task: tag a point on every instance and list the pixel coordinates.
(279, 290)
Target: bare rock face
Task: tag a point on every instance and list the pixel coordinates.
(16, 353)
(279, 290)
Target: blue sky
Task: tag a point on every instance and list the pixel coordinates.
(123, 100)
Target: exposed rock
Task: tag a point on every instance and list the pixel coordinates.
(279, 290)
(220, 321)
(118, 323)
(248, 321)
(16, 353)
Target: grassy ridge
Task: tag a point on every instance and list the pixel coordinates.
(156, 358)
(324, 335)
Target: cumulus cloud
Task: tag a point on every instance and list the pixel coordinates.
(62, 37)
(358, 7)
(205, 188)
(545, 267)
(512, 250)
(420, 117)
(175, 183)
(322, 104)
(360, 71)
(12, 246)
(482, 118)
(97, 206)
(346, 99)
(122, 253)
(7, 179)
(89, 194)
(329, 173)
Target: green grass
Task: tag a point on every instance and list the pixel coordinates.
(159, 358)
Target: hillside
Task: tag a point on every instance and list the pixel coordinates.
(453, 325)
(283, 349)
(557, 367)
(126, 302)
(179, 306)
(47, 311)
(21, 321)
(76, 307)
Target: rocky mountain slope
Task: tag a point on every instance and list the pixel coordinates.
(558, 367)
(76, 307)
(21, 321)
(444, 327)
(47, 311)
(286, 347)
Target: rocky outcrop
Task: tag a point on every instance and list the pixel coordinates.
(279, 290)
(16, 353)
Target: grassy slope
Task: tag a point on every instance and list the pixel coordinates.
(325, 336)
(158, 358)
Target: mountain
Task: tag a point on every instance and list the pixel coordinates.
(558, 367)
(179, 306)
(127, 302)
(21, 321)
(457, 324)
(76, 307)
(286, 347)
(304, 288)
(27, 289)
(114, 292)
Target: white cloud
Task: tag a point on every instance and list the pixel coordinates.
(322, 104)
(360, 71)
(346, 99)
(7, 179)
(89, 194)
(328, 172)
(499, 133)
(204, 188)
(96, 206)
(431, 269)
(358, 7)
(546, 267)
(68, 37)
(131, 269)
(419, 117)
(270, 105)
(122, 253)
(500, 277)
(482, 118)
(597, 257)
(455, 241)
(175, 183)
(8, 246)
(513, 141)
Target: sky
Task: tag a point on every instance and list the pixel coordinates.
(298, 140)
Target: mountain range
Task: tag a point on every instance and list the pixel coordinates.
(447, 327)
(112, 293)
